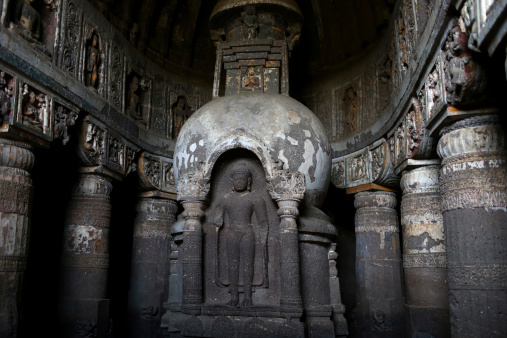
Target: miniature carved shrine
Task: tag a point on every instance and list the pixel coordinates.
(163, 175)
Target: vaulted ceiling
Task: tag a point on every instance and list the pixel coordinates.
(176, 32)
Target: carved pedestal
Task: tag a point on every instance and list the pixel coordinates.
(424, 260)
(323, 310)
(15, 198)
(474, 202)
(379, 294)
(150, 255)
(85, 258)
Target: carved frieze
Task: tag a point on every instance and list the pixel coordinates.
(116, 76)
(357, 168)
(156, 173)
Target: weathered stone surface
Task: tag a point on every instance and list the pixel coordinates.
(150, 257)
(424, 259)
(474, 202)
(85, 256)
(16, 160)
(379, 290)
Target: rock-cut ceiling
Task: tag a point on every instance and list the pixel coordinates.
(176, 32)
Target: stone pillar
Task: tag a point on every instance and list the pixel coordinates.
(291, 303)
(424, 260)
(474, 202)
(16, 160)
(379, 296)
(192, 257)
(150, 256)
(320, 289)
(85, 258)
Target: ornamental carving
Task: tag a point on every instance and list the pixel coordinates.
(94, 142)
(370, 165)
(116, 153)
(6, 97)
(72, 38)
(93, 58)
(34, 111)
(64, 118)
(116, 76)
(137, 97)
(406, 35)
(357, 168)
(338, 174)
(27, 22)
(286, 184)
(193, 185)
(157, 173)
(465, 79)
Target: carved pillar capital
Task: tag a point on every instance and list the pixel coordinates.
(375, 199)
(286, 185)
(473, 184)
(193, 186)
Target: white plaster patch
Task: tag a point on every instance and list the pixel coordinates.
(292, 141)
(307, 133)
(201, 142)
(183, 159)
(192, 159)
(193, 147)
(308, 156)
(284, 159)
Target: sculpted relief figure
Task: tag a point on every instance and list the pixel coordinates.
(181, 114)
(133, 106)
(92, 62)
(33, 108)
(251, 22)
(233, 217)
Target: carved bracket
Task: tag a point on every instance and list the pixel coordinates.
(370, 165)
(102, 147)
(156, 173)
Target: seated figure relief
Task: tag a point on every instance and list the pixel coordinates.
(233, 220)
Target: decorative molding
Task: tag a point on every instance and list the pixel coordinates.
(286, 184)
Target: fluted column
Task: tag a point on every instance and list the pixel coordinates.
(16, 160)
(150, 256)
(85, 257)
(424, 259)
(379, 294)
(474, 202)
(192, 257)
